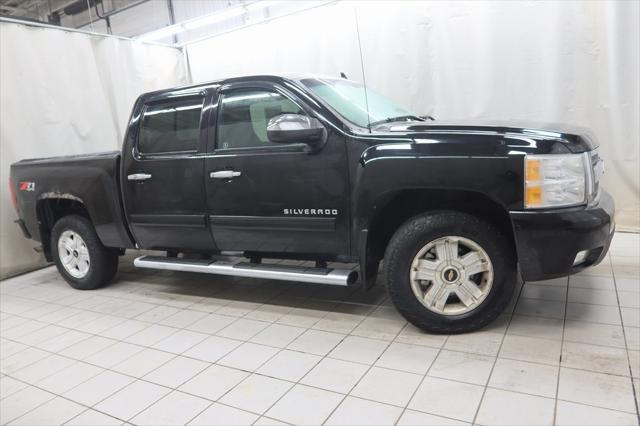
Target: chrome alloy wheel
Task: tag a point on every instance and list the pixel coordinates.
(73, 254)
(451, 275)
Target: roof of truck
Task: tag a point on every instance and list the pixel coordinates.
(264, 77)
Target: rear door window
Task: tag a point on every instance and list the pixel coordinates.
(171, 126)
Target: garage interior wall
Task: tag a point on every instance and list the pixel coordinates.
(574, 63)
(64, 93)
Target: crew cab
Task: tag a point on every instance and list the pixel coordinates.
(325, 170)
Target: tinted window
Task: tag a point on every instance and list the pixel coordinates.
(172, 126)
(244, 115)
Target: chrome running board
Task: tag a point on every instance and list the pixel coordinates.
(302, 274)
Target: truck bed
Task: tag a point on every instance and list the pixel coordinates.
(90, 179)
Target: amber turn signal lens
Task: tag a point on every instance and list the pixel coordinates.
(533, 170)
(534, 196)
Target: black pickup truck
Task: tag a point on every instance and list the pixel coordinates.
(323, 170)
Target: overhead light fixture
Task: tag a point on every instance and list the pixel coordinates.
(207, 20)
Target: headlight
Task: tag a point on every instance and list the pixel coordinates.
(557, 180)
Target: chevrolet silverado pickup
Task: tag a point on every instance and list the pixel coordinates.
(324, 170)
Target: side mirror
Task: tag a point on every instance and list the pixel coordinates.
(296, 128)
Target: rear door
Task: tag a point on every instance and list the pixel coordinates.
(163, 175)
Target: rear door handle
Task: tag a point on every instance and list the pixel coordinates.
(224, 174)
(139, 176)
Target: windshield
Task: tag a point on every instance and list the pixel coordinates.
(348, 99)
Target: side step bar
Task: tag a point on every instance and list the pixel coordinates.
(303, 274)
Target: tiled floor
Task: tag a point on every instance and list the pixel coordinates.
(176, 348)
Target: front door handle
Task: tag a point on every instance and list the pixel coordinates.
(139, 176)
(224, 174)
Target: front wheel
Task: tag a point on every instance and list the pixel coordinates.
(79, 255)
(450, 272)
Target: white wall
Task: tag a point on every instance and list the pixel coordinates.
(67, 93)
(566, 62)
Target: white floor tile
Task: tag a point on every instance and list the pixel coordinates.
(601, 390)
(446, 398)
(506, 408)
(183, 318)
(85, 348)
(335, 375)
(132, 399)
(43, 368)
(98, 388)
(289, 365)
(411, 358)
(572, 414)
(214, 382)
(600, 359)
(525, 377)
(595, 297)
(387, 386)
(256, 393)
(481, 342)
(530, 326)
(151, 335)
(594, 333)
(359, 349)
(124, 329)
(544, 292)
(9, 385)
(54, 412)
(414, 336)
(211, 324)
(316, 342)
(248, 356)
(176, 408)
(463, 367)
(21, 402)
(212, 348)
(304, 405)
(180, 341)
(415, 418)
(242, 329)
(114, 354)
(531, 349)
(22, 359)
(278, 335)
(176, 372)
(143, 362)
(540, 308)
(222, 415)
(356, 411)
(69, 378)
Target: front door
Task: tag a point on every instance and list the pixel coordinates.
(267, 197)
(163, 177)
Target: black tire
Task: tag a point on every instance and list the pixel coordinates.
(417, 232)
(103, 263)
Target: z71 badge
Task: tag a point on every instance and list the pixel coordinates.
(27, 186)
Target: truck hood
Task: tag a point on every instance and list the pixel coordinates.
(530, 136)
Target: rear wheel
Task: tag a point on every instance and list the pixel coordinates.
(79, 255)
(450, 272)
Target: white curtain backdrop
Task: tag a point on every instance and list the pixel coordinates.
(551, 62)
(67, 93)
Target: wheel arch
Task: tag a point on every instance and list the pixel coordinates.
(395, 208)
(50, 209)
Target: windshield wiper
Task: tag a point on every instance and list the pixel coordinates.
(398, 118)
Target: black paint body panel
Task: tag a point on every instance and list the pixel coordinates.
(355, 173)
(92, 179)
(548, 241)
